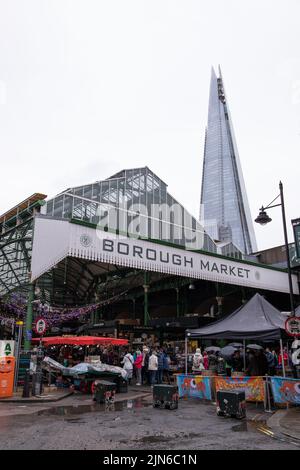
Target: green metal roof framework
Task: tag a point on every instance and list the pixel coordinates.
(16, 227)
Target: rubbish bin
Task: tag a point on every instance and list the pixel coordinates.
(26, 385)
(104, 391)
(122, 385)
(165, 396)
(231, 403)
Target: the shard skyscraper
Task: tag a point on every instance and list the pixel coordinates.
(224, 211)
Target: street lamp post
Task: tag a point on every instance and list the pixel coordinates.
(264, 219)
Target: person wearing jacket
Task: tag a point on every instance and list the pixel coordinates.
(197, 362)
(221, 366)
(138, 367)
(145, 364)
(166, 366)
(153, 367)
(271, 362)
(205, 360)
(160, 364)
(128, 365)
(253, 368)
(212, 363)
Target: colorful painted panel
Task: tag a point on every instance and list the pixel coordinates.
(253, 386)
(286, 390)
(194, 386)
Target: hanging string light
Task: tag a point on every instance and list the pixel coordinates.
(16, 306)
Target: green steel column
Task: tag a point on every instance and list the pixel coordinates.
(146, 290)
(220, 305)
(219, 298)
(29, 318)
(97, 314)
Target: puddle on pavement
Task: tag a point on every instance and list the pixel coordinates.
(136, 404)
(242, 427)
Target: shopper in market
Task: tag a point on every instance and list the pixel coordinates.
(221, 366)
(212, 363)
(128, 365)
(145, 365)
(271, 362)
(237, 362)
(253, 368)
(198, 365)
(284, 359)
(160, 364)
(166, 366)
(138, 367)
(153, 367)
(205, 360)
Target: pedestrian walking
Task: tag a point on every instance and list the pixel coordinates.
(221, 366)
(138, 367)
(198, 365)
(128, 365)
(237, 362)
(270, 361)
(160, 365)
(205, 360)
(212, 363)
(253, 368)
(166, 367)
(153, 367)
(145, 366)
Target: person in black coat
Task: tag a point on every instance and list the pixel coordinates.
(262, 363)
(253, 368)
(237, 362)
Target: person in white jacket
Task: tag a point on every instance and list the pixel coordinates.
(153, 367)
(128, 362)
(198, 361)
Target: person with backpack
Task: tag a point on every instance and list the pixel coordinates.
(153, 367)
(128, 365)
(198, 365)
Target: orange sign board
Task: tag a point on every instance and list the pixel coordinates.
(7, 370)
(253, 386)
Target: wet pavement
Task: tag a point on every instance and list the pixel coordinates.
(78, 423)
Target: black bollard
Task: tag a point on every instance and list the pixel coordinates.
(26, 386)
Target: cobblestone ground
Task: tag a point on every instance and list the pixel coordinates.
(133, 425)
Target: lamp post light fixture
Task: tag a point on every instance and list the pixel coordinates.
(264, 219)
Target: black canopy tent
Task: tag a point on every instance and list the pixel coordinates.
(257, 319)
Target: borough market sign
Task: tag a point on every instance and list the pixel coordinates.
(54, 240)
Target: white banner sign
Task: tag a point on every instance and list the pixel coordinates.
(56, 239)
(7, 348)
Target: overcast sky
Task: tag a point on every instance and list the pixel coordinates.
(88, 88)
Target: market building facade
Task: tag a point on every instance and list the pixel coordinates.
(122, 254)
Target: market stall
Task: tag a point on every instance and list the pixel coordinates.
(84, 373)
(255, 320)
(81, 340)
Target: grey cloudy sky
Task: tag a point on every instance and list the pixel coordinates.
(88, 88)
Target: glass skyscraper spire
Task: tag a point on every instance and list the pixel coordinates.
(224, 211)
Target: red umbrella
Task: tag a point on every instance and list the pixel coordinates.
(82, 340)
